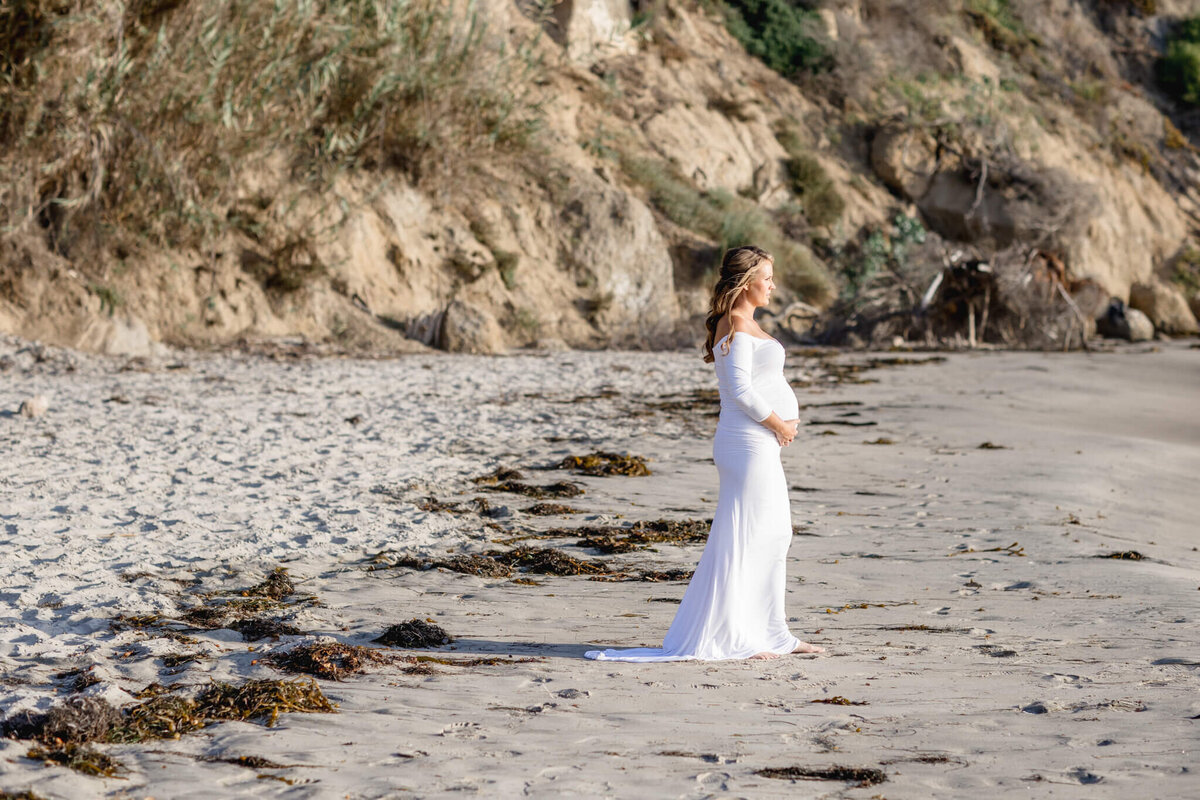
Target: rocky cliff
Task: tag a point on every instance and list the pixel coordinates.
(567, 174)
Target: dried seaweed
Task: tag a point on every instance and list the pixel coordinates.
(862, 776)
(171, 716)
(277, 586)
(499, 475)
(179, 659)
(250, 762)
(925, 628)
(223, 613)
(416, 633)
(123, 622)
(838, 700)
(25, 795)
(641, 535)
(161, 717)
(83, 678)
(223, 701)
(477, 661)
(991, 446)
(1124, 555)
(80, 758)
(559, 489)
(73, 721)
(329, 660)
(433, 504)
(881, 440)
(650, 576)
(548, 561)
(550, 509)
(601, 463)
(262, 627)
(483, 566)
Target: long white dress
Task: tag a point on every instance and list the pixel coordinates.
(733, 607)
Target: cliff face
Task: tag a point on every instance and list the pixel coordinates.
(655, 142)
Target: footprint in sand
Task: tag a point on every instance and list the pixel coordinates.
(462, 730)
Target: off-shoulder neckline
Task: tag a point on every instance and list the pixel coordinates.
(751, 335)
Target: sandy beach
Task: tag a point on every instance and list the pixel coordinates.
(954, 515)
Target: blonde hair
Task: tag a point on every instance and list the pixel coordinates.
(738, 267)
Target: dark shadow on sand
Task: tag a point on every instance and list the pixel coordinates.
(487, 647)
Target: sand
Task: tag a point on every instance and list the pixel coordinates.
(986, 649)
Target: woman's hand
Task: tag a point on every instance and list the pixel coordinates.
(785, 430)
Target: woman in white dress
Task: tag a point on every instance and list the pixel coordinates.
(734, 605)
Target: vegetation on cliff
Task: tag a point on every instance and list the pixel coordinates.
(477, 176)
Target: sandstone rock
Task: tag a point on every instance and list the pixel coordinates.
(615, 247)
(466, 328)
(798, 320)
(591, 29)
(34, 407)
(904, 158)
(972, 62)
(1122, 322)
(1165, 306)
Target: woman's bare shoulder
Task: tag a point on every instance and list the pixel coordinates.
(742, 324)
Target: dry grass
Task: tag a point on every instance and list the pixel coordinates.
(729, 221)
(129, 123)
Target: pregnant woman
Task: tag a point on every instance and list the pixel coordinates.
(733, 608)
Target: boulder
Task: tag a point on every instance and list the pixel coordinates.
(1194, 303)
(1165, 306)
(904, 158)
(1122, 322)
(466, 328)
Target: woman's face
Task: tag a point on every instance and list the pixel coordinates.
(758, 291)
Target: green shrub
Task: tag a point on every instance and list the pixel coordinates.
(730, 221)
(1179, 70)
(788, 38)
(822, 203)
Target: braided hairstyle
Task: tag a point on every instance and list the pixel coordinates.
(738, 268)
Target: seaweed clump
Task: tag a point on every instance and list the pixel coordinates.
(74, 721)
(80, 758)
(329, 660)
(160, 717)
(171, 716)
(277, 586)
(416, 633)
(549, 561)
(559, 489)
(257, 628)
(224, 701)
(641, 535)
(503, 479)
(482, 566)
(24, 795)
(838, 700)
(862, 776)
(1124, 555)
(606, 464)
(550, 509)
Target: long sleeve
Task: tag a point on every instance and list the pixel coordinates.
(741, 369)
